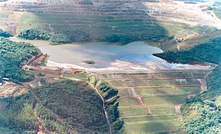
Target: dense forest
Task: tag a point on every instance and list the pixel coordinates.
(69, 36)
(206, 52)
(201, 114)
(34, 34)
(55, 38)
(5, 33)
(65, 107)
(79, 107)
(110, 97)
(12, 55)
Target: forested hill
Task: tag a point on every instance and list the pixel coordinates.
(12, 55)
(201, 114)
(65, 107)
(206, 52)
(61, 107)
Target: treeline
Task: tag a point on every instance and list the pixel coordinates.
(124, 39)
(206, 52)
(5, 34)
(121, 39)
(12, 55)
(56, 38)
(34, 34)
(200, 113)
(110, 96)
(68, 36)
(206, 118)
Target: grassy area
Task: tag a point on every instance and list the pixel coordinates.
(217, 11)
(160, 102)
(127, 102)
(4, 16)
(122, 30)
(81, 76)
(96, 27)
(93, 27)
(163, 110)
(168, 91)
(126, 112)
(202, 38)
(180, 29)
(169, 99)
(150, 118)
(155, 127)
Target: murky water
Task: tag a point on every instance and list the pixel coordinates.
(135, 55)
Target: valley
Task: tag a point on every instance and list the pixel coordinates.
(93, 67)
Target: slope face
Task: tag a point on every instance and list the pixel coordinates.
(190, 13)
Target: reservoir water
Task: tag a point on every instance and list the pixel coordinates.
(135, 55)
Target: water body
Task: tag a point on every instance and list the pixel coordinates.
(135, 55)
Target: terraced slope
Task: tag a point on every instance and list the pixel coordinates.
(163, 23)
(150, 101)
(191, 13)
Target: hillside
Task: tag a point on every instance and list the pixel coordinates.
(64, 107)
(36, 98)
(167, 24)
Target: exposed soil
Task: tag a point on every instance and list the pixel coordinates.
(40, 128)
(178, 111)
(139, 100)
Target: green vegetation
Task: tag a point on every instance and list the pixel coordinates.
(54, 39)
(89, 62)
(19, 116)
(3, 16)
(206, 52)
(79, 28)
(217, 9)
(143, 108)
(74, 102)
(34, 34)
(12, 55)
(64, 107)
(59, 38)
(4, 33)
(81, 76)
(122, 39)
(201, 113)
(110, 96)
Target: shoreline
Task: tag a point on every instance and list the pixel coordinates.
(128, 68)
(108, 57)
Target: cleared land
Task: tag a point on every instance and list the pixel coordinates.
(150, 102)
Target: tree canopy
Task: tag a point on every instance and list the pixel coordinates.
(34, 34)
(12, 55)
(4, 33)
